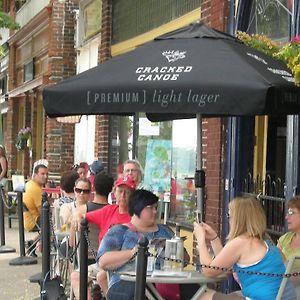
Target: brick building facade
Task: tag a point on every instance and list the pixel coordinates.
(47, 42)
(54, 58)
(213, 13)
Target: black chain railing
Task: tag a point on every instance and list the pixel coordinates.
(199, 266)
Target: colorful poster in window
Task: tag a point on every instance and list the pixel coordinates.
(157, 175)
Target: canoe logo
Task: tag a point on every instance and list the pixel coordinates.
(174, 55)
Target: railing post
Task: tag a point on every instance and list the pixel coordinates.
(22, 260)
(45, 238)
(141, 269)
(3, 248)
(83, 259)
(39, 277)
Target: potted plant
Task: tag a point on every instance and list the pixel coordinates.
(24, 139)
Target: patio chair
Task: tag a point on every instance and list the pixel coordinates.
(284, 281)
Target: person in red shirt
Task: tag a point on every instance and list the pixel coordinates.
(110, 215)
(115, 213)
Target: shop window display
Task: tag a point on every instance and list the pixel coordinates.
(167, 152)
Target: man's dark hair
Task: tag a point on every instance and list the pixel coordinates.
(37, 167)
(103, 184)
(67, 181)
(139, 199)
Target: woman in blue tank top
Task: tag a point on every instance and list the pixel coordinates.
(249, 252)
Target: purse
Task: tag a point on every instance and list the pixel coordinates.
(53, 289)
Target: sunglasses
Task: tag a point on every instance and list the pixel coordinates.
(75, 167)
(79, 191)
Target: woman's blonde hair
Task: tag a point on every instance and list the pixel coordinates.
(247, 218)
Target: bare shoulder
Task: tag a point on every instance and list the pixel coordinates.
(237, 242)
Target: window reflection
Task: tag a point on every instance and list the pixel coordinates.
(182, 198)
(167, 152)
(270, 18)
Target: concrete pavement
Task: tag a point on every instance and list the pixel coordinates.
(15, 284)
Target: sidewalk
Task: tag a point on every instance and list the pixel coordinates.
(15, 284)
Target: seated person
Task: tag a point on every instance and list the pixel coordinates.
(289, 243)
(3, 167)
(131, 168)
(67, 183)
(103, 186)
(82, 169)
(82, 192)
(119, 244)
(32, 201)
(95, 168)
(110, 214)
(248, 249)
(32, 198)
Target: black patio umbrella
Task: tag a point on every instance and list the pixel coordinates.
(194, 70)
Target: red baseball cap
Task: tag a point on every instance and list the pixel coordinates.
(126, 180)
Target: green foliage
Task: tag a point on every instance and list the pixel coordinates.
(288, 53)
(259, 42)
(7, 22)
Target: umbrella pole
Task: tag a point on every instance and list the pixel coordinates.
(199, 174)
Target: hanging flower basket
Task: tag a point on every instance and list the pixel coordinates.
(24, 139)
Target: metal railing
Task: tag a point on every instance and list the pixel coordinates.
(270, 192)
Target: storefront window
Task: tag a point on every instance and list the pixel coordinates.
(184, 143)
(154, 152)
(121, 138)
(167, 152)
(270, 18)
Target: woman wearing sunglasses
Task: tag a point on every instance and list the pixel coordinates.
(289, 243)
(82, 192)
(248, 251)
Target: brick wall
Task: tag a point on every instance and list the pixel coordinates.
(215, 14)
(10, 134)
(104, 53)
(59, 138)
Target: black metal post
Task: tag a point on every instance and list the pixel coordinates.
(22, 260)
(141, 269)
(3, 247)
(39, 277)
(83, 259)
(45, 240)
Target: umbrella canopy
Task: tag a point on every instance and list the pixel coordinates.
(192, 70)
